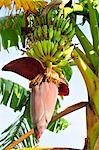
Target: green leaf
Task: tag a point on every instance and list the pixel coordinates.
(16, 130)
(88, 48)
(10, 30)
(67, 72)
(58, 125)
(9, 38)
(14, 94)
(14, 101)
(6, 89)
(94, 25)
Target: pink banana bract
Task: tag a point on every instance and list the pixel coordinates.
(43, 100)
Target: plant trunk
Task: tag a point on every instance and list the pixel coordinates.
(92, 128)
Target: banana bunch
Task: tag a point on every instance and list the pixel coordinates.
(41, 50)
(52, 36)
(48, 51)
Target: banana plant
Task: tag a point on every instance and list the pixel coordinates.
(56, 29)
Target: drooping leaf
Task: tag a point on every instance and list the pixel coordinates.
(10, 30)
(11, 93)
(6, 89)
(9, 38)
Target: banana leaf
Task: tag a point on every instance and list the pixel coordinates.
(10, 30)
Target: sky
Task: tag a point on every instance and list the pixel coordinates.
(74, 135)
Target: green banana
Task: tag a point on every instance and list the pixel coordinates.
(50, 31)
(36, 51)
(39, 32)
(61, 64)
(57, 55)
(49, 46)
(55, 21)
(35, 22)
(71, 34)
(35, 34)
(59, 23)
(67, 45)
(39, 46)
(54, 49)
(62, 40)
(45, 31)
(58, 70)
(44, 46)
(67, 52)
(44, 20)
(69, 29)
(31, 53)
(57, 35)
(63, 24)
(66, 25)
(49, 17)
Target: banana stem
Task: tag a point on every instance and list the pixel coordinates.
(92, 128)
(69, 110)
(91, 80)
(92, 114)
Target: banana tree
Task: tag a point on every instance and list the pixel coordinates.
(56, 29)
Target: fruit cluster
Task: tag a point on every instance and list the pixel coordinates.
(50, 39)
